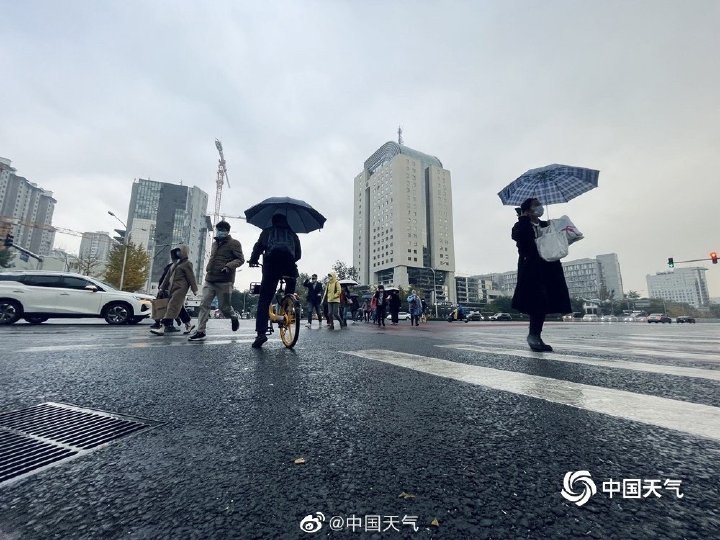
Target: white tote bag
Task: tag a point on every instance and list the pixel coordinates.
(564, 223)
(553, 243)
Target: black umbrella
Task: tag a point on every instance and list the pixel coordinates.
(301, 217)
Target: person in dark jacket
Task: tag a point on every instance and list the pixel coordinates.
(394, 306)
(541, 286)
(380, 305)
(177, 282)
(225, 257)
(314, 298)
(280, 248)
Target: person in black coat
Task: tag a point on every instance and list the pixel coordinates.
(394, 306)
(541, 286)
(314, 297)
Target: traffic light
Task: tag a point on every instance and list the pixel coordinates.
(9, 240)
(671, 262)
(713, 257)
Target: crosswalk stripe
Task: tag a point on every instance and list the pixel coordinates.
(680, 353)
(657, 411)
(663, 369)
(147, 344)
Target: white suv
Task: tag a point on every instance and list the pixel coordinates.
(38, 296)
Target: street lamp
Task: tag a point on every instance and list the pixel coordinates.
(125, 240)
(434, 292)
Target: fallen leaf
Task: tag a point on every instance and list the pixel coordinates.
(299, 461)
(404, 495)
(435, 523)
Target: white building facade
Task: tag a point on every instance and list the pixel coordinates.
(403, 222)
(26, 211)
(687, 285)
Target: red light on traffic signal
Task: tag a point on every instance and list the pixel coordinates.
(713, 257)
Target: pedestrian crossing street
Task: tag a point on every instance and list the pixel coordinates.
(692, 356)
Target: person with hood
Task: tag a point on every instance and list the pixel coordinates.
(415, 307)
(380, 305)
(314, 298)
(226, 256)
(280, 248)
(332, 297)
(541, 286)
(394, 306)
(184, 316)
(177, 282)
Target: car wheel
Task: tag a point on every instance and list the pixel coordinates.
(10, 311)
(36, 320)
(118, 313)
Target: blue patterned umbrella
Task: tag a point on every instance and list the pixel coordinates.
(301, 217)
(550, 185)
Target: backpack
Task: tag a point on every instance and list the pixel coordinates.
(280, 239)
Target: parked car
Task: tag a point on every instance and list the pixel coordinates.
(475, 316)
(590, 317)
(685, 319)
(609, 318)
(658, 318)
(501, 317)
(570, 317)
(37, 296)
(402, 316)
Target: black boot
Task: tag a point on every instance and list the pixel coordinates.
(545, 346)
(535, 343)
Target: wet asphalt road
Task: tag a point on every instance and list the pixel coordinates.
(483, 462)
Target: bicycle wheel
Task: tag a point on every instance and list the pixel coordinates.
(290, 327)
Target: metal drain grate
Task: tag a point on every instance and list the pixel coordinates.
(50, 433)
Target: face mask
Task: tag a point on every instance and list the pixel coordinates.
(221, 234)
(538, 211)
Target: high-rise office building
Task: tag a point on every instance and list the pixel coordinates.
(164, 215)
(403, 223)
(96, 245)
(686, 285)
(26, 210)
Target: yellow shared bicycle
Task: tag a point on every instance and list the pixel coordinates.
(285, 312)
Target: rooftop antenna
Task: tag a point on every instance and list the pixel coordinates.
(400, 141)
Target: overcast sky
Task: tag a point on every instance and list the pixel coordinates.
(95, 94)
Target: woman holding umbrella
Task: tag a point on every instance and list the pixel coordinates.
(541, 287)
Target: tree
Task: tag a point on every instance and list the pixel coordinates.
(299, 289)
(6, 258)
(344, 271)
(88, 265)
(137, 267)
(633, 295)
(243, 300)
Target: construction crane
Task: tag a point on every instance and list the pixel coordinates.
(222, 177)
(33, 225)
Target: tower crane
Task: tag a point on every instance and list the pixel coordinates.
(222, 177)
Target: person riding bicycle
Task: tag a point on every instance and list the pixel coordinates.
(280, 248)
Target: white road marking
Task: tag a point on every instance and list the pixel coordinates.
(692, 418)
(628, 349)
(158, 342)
(710, 374)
